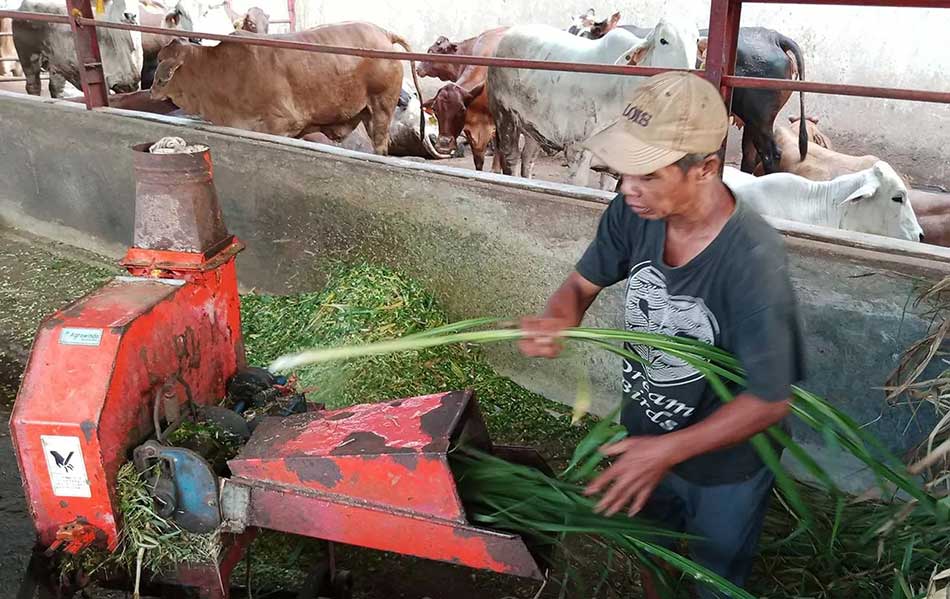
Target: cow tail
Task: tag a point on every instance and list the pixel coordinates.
(788, 44)
(415, 79)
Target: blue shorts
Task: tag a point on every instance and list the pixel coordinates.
(728, 518)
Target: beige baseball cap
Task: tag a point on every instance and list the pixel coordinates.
(669, 116)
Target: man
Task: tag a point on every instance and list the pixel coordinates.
(697, 264)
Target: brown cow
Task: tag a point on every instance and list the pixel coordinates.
(822, 163)
(287, 92)
(462, 107)
(8, 51)
(933, 214)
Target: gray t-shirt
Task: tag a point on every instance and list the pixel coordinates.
(735, 294)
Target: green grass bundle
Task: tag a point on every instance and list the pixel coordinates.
(722, 370)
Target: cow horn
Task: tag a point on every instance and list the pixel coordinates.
(430, 149)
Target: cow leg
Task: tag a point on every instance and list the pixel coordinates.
(578, 161)
(381, 109)
(32, 67)
(507, 134)
(57, 84)
(478, 149)
(529, 156)
(749, 153)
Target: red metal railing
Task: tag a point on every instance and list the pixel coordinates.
(720, 62)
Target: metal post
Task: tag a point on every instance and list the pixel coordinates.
(722, 43)
(721, 48)
(87, 51)
(292, 14)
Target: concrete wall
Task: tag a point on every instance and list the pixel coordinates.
(486, 244)
(893, 47)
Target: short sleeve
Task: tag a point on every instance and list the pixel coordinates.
(767, 334)
(607, 258)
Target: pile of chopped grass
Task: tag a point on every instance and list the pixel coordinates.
(366, 303)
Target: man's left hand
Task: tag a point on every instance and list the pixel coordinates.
(641, 464)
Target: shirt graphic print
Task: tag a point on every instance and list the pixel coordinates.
(665, 389)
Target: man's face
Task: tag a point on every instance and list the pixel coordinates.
(661, 194)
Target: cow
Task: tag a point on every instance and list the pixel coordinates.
(152, 14)
(560, 110)
(8, 66)
(822, 163)
(404, 138)
(585, 25)
(255, 20)
(933, 212)
(761, 53)
(873, 200)
(208, 20)
(50, 46)
(201, 16)
(461, 106)
(286, 92)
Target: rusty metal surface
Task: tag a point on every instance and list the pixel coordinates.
(894, 3)
(107, 354)
(541, 65)
(176, 204)
(392, 455)
(34, 16)
(839, 89)
(723, 11)
(91, 75)
(323, 516)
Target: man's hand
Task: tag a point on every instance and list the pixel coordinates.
(542, 336)
(641, 464)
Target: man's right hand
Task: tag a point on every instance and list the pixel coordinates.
(542, 336)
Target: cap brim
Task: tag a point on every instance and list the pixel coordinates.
(627, 155)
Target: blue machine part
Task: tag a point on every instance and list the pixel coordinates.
(183, 485)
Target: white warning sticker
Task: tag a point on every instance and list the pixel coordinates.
(80, 336)
(67, 470)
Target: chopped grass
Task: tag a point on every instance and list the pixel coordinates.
(366, 303)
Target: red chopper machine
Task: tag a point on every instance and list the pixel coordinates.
(162, 344)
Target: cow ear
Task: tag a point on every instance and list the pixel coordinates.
(172, 19)
(614, 20)
(635, 55)
(813, 119)
(864, 192)
(164, 73)
(473, 93)
(427, 105)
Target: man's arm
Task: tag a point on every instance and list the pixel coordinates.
(644, 461)
(564, 309)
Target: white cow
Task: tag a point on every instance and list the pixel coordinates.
(559, 110)
(870, 201)
(50, 46)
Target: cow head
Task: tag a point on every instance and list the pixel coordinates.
(581, 25)
(671, 44)
(879, 204)
(201, 16)
(815, 135)
(121, 50)
(255, 21)
(170, 58)
(449, 105)
(599, 29)
(445, 72)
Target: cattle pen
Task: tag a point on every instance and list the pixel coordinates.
(822, 251)
(302, 208)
